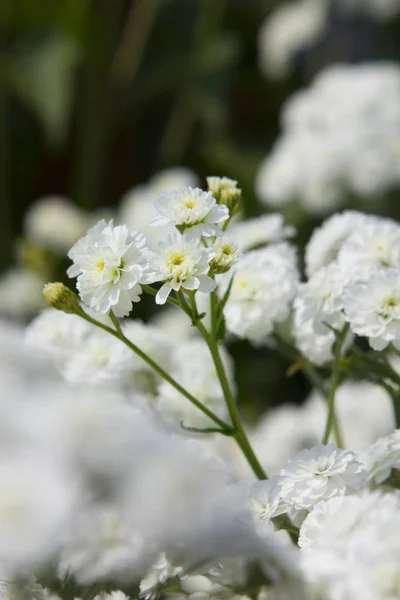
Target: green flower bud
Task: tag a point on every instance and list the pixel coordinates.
(59, 296)
(225, 191)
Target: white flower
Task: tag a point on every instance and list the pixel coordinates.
(382, 456)
(326, 241)
(320, 299)
(341, 137)
(99, 357)
(36, 501)
(110, 263)
(266, 499)
(181, 263)
(21, 293)
(315, 347)
(319, 474)
(226, 255)
(375, 244)
(263, 288)
(192, 211)
(57, 333)
(55, 222)
(260, 231)
(350, 545)
(103, 545)
(157, 576)
(373, 308)
(292, 27)
(137, 205)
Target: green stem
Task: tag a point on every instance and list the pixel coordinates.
(213, 314)
(335, 380)
(240, 434)
(117, 333)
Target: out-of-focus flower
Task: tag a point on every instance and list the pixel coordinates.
(382, 456)
(20, 293)
(340, 137)
(56, 223)
(263, 288)
(292, 27)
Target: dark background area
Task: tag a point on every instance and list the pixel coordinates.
(96, 96)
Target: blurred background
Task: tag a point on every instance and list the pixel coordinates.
(98, 96)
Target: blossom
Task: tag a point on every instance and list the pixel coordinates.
(325, 241)
(226, 192)
(264, 284)
(226, 253)
(319, 474)
(181, 263)
(289, 29)
(55, 222)
(57, 333)
(110, 264)
(372, 308)
(374, 245)
(381, 457)
(320, 299)
(98, 358)
(192, 211)
(340, 137)
(137, 204)
(266, 499)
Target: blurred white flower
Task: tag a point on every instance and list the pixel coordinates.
(319, 300)
(319, 474)
(21, 293)
(341, 136)
(110, 264)
(36, 502)
(55, 222)
(264, 284)
(373, 308)
(192, 211)
(181, 262)
(374, 244)
(292, 27)
(325, 241)
(57, 333)
(381, 457)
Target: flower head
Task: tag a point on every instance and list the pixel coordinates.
(110, 263)
(192, 211)
(373, 308)
(319, 474)
(227, 254)
(181, 262)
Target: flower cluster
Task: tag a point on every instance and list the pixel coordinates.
(132, 474)
(340, 137)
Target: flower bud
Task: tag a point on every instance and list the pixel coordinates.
(225, 191)
(226, 255)
(59, 296)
